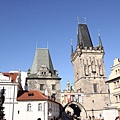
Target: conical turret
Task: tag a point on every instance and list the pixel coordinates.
(71, 47)
(100, 41)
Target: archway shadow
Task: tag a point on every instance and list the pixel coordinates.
(77, 107)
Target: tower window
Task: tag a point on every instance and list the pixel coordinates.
(118, 84)
(115, 86)
(95, 88)
(41, 86)
(43, 73)
(116, 98)
(53, 87)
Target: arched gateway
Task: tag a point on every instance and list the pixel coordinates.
(78, 109)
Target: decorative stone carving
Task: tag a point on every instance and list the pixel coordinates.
(101, 70)
(93, 66)
(86, 70)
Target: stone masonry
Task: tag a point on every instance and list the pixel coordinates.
(89, 73)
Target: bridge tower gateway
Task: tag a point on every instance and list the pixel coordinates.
(89, 72)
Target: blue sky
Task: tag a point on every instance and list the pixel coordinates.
(23, 22)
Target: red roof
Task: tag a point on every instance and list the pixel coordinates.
(31, 95)
(12, 75)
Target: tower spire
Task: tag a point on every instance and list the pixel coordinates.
(84, 38)
(71, 47)
(78, 37)
(79, 42)
(100, 41)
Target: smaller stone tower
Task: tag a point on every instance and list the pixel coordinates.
(68, 86)
(42, 76)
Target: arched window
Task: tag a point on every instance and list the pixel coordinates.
(40, 107)
(29, 107)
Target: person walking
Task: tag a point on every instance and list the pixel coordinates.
(117, 118)
(39, 119)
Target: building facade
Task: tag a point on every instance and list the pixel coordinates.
(42, 75)
(114, 90)
(25, 104)
(11, 81)
(71, 101)
(36, 105)
(114, 83)
(89, 72)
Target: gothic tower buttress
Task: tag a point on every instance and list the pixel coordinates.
(88, 63)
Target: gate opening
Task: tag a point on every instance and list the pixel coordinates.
(74, 108)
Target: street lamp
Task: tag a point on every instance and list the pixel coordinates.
(93, 114)
(44, 110)
(93, 117)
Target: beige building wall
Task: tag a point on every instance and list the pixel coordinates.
(89, 73)
(114, 83)
(47, 86)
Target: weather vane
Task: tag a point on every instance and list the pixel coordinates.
(85, 20)
(98, 32)
(78, 20)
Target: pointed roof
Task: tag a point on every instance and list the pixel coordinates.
(71, 47)
(33, 95)
(42, 57)
(100, 41)
(84, 38)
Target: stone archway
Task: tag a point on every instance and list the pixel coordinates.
(79, 110)
(76, 109)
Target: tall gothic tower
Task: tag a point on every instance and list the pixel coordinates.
(88, 63)
(89, 71)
